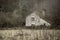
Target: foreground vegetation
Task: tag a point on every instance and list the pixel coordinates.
(25, 34)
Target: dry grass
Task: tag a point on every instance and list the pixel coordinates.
(25, 34)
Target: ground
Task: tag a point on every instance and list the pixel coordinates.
(26, 34)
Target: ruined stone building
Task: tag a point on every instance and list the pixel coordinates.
(36, 20)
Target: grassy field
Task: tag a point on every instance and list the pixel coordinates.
(27, 34)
